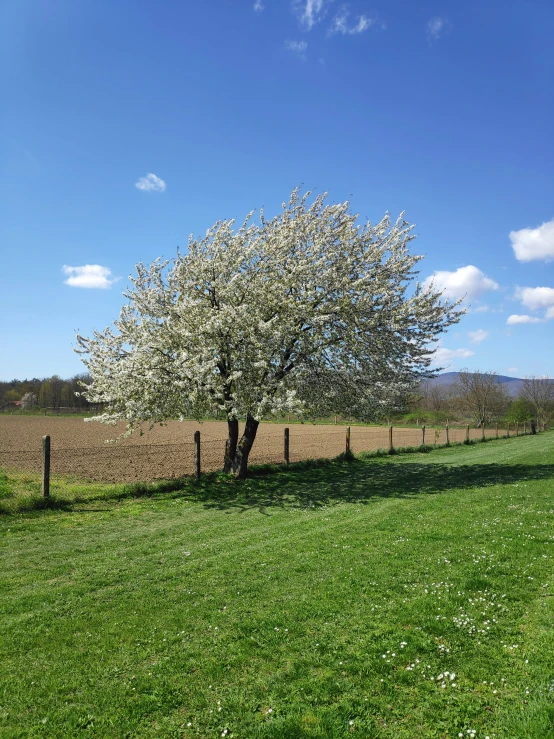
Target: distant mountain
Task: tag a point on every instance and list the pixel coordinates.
(513, 385)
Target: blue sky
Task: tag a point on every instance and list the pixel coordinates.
(442, 109)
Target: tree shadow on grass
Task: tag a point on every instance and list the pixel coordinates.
(312, 485)
(357, 482)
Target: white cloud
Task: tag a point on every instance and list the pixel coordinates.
(310, 12)
(535, 298)
(341, 23)
(89, 275)
(480, 309)
(443, 356)
(297, 47)
(259, 6)
(477, 336)
(437, 27)
(534, 243)
(466, 281)
(515, 319)
(550, 313)
(150, 183)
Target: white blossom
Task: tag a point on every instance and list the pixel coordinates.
(304, 313)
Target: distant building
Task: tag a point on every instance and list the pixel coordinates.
(29, 400)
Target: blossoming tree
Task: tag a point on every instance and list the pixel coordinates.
(306, 312)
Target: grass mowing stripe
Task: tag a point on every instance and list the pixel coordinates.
(308, 601)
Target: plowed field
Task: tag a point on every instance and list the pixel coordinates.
(80, 449)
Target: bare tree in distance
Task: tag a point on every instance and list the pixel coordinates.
(435, 397)
(539, 392)
(481, 395)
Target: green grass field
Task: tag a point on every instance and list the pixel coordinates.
(405, 596)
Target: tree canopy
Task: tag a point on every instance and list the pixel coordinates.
(306, 312)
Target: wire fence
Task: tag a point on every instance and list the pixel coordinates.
(128, 463)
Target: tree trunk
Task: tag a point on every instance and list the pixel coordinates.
(237, 452)
(231, 444)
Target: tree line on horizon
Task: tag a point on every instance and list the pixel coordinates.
(48, 392)
(482, 399)
(477, 397)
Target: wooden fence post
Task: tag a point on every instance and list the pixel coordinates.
(447, 435)
(287, 446)
(517, 428)
(390, 438)
(467, 433)
(197, 455)
(348, 439)
(423, 435)
(483, 431)
(508, 431)
(46, 466)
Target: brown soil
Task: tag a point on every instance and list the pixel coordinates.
(79, 448)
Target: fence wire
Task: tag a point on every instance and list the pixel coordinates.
(127, 463)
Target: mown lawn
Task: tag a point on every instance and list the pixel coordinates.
(407, 596)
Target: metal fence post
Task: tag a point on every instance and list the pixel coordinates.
(197, 454)
(46, 466)
(287, 446)
(348, 439)
(517, 428)
(467, 433)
